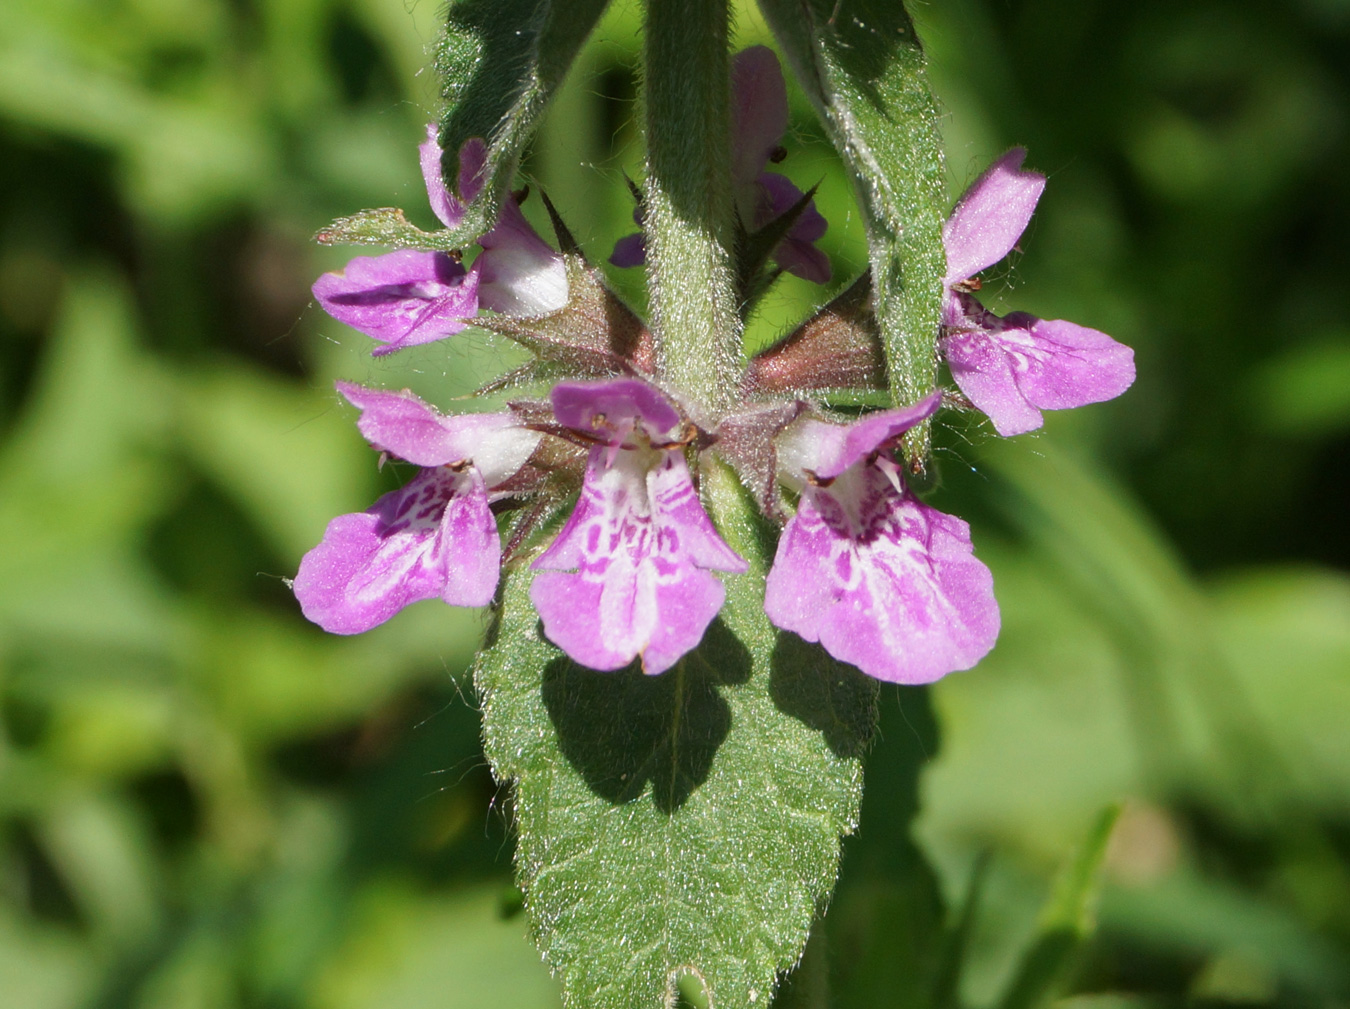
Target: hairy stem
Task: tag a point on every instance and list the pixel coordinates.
(689, 223)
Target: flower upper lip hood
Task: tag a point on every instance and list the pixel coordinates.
(830, 449)
(612, 409)
(990, 217)
(1013, 367)
(410, 297)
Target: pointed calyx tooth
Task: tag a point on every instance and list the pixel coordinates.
(533, 413)
(594, 335)
(837, 348)
(755, 248)
(567, 244)
(746, 441)
(532, 372)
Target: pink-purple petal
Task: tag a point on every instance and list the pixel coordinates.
(779, 195)
(604, 613)
(1066, 365)
(687, 602)
(472, 161)
(796, 253)
(882, 581)
(403, 425)
(1013, 368)
(802, 259)
(448, 209)
(630, 250)
(759, 111)
(595, 406)
(471, 550)
(983, 371)
(433, 537)
(402, 298)
(773, 195)
(628, 612)
(827, 450)
(626, 576)
(990, 217)
(684, 528)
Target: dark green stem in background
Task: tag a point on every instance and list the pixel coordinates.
(689, 223)
(861, 64)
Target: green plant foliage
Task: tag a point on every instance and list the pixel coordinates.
(385, 226)
(1066, 920)
(861, 65)
(204, 802)
(682, 824)
(499, 64)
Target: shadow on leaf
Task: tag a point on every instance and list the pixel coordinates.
(623, 729)
(833, 697)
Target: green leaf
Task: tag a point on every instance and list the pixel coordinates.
(383, 226)
(500, 62)
(947, 979)
(1305, 391)
(680, 824)
(1066, 920)
(409, 949)
(885, 928)
(861, 65)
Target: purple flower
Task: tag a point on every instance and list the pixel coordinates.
(628, 575)
(435, 536)
(877, 577)
(759, 116)
(1014, 367)
(408, 297)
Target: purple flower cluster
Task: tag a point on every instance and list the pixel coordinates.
(409, 297)
(878, 578)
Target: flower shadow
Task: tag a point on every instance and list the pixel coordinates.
(834, 698)
(624, 729)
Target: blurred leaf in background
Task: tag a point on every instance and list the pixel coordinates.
(204, 801)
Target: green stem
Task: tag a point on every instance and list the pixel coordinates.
(861, 64)
(689, 222)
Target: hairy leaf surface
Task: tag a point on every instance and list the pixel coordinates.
(687, 823)
(499, 63)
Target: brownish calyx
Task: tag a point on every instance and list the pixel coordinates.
(745, 440)
(535, 494)
(595, 335)
(837, 348)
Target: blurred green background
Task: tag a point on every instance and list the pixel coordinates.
(206, 802)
